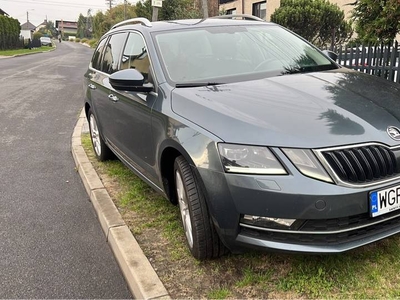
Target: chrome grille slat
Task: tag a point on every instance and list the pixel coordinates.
(362, 164)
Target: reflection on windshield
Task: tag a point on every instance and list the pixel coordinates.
(233, 53)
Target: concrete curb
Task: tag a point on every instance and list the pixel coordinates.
(140, 276)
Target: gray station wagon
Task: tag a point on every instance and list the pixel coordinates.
(261, 139)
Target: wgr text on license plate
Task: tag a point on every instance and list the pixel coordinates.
(384, 201)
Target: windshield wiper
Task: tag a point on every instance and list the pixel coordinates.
(196, 84)
(307, 69)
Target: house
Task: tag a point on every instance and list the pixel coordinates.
(27, 29)
(28, 26)
(264, 9)
(41, 25)
(68, 28)
(3, 13)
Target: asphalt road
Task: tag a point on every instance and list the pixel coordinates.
(51, 244)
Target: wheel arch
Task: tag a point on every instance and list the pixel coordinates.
(170, 151)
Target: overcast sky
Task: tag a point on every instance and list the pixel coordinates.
(67, 10)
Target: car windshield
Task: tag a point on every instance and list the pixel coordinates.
(235, 53)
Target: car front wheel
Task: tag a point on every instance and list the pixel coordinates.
(202, 239)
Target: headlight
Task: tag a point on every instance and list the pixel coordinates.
(306, 163)
(249, 160)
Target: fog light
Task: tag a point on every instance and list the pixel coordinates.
(268, 222)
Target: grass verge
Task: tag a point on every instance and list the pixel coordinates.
(372, 271)
(24, 51)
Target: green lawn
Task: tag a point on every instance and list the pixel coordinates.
(24, 51)
(370, 272)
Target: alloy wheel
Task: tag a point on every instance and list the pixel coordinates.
(94, 133)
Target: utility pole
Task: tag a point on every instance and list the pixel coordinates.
(110, 3)
(205, 8)
(156, 4)
(125, 2)
(154, 17)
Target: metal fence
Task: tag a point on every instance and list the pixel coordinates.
(380, 60)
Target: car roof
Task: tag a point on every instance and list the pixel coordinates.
(192, 23)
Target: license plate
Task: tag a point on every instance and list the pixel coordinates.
(384, 201)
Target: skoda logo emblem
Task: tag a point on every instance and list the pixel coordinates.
(393, 132)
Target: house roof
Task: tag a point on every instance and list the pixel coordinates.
(28, 26)
(2, 12)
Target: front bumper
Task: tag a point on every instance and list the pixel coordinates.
(333, 218)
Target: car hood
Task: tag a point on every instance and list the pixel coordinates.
(300, 110)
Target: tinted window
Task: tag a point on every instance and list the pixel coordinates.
(135, 55)
(97, 55)
(112, 53)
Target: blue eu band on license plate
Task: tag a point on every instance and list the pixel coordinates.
(384, 201)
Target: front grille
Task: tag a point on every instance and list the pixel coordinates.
(305, 235)
(363, 164)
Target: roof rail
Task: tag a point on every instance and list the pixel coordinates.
(243, 16)
(142, 21)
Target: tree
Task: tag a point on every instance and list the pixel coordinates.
(377, 21)
(171, 10)
(102, 22)
(144, 9)
(318, 21)
(81, 26)
(9, 33)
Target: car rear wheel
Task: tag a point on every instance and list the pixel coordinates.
(201, 236)
(100, 148)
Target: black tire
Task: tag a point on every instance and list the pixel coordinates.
(201, 236)
(101, 150)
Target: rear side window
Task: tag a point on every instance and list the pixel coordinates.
(96, 60)
(112, 52)
(135, 55)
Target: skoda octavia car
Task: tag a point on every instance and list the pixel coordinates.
(261, 139)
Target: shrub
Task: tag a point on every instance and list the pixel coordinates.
(84, 40)
(9, 33)
(93, 43)
(37, 35)
(77, 40)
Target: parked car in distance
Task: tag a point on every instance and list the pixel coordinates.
(46, 41)
(259, 138)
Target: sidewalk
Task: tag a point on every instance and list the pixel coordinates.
(140, 276)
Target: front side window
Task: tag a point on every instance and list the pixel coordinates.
(96, 60)
(236, 53)
(260, 9)
(135, 55)
(112, 53)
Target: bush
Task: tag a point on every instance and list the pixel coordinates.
(9, 33)
(93, 43)
(84, 40)
(37, 35)
(77, 40)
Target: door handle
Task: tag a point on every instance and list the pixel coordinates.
(113, 98)
(91, 86)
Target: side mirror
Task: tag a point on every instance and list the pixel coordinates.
(332, 55)
(129, 80)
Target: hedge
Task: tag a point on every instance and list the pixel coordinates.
(9, 33)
